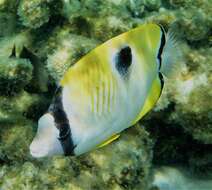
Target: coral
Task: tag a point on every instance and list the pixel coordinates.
(7, 23)
(189, 17)
(23, 104)
(35, 13)
(193, 31)
(15, 74)
(15, 137)
(67, 49)
(16, 123)
(75, 8)
(192, 105)
(117, 17)
(125, 164)
(16, 49)
(135, 8)
(9, 6)
(152, 4)
(197, 112)
(108, 28)
(15, 42)
(186, 111)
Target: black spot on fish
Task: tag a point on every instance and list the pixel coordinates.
(124, 60)
(162, 44)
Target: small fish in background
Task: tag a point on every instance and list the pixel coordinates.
(106, 91)
(174, 178)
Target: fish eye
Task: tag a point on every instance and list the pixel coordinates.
(162, 44)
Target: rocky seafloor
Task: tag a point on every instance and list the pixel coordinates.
(40, 39)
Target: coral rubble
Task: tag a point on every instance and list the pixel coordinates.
(111, 167)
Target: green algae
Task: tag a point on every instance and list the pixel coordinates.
(58, 33)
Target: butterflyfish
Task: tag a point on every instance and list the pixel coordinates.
(105, 92)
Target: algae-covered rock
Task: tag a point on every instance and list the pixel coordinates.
(15, 137)
(185, 131)
(190, 15)
(123, 165)
(191, 94)
(15, 74)
(7, 23)
(35, 13)
(9, 6)
(193, 31)
(65, 49)
(152, 4)
(75, 8)
(14, 44)
(22, 104)
(101, 19)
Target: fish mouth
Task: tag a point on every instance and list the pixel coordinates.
(37, 152)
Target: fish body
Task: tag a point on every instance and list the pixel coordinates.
(105, 92)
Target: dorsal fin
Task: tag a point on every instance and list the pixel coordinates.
(151, 99)
(171, 55)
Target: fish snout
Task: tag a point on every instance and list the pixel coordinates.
(37, 150)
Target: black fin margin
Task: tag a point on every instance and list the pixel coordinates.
(161, 81)
(162, 44)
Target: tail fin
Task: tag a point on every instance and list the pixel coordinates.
(171, 55)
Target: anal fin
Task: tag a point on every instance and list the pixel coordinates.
(109, 140)
(151, 99)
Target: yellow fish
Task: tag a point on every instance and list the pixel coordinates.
(105, 92)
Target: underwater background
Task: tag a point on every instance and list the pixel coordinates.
(169, 149)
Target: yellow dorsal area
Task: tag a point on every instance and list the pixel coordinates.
(145, 39)
(93, 75)
(151, 99)
(108, 141)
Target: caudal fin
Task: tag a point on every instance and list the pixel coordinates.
(171, 55)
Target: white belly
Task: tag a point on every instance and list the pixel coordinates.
(89, 129)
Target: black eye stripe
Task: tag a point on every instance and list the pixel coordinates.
(162, 44)
(62, 123)
(123, 60)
